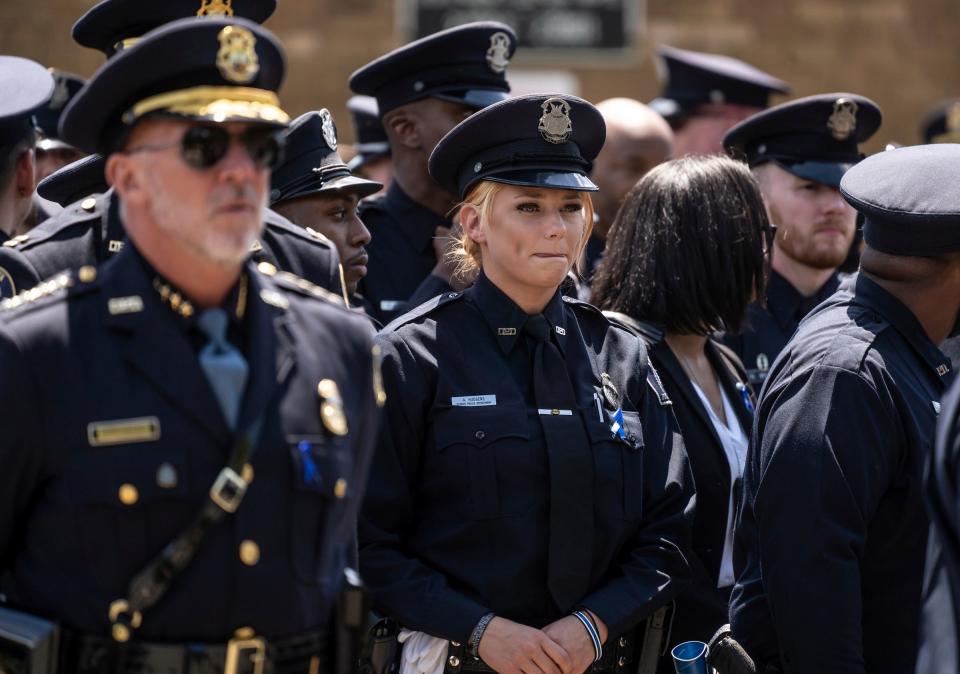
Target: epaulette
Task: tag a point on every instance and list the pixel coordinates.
(80, 213)
(424, 309)
(277, 222)
(651, 333)
(82, 279)
(289, 281)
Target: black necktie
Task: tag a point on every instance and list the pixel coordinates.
(571, 470)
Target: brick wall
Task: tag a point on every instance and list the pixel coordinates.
(901, 53)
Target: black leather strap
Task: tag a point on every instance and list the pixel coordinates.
(153, 582)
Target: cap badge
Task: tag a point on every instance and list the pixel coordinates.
(329, 130)
(843, 121)
(215, 8)
(498, 55)
(237, 59)
(61, 94)
(555, 125)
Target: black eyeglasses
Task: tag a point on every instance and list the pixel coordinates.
(202, 146)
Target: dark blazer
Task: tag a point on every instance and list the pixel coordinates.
(702, 608)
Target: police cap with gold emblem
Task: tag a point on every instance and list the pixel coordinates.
(312, 163)
(691, 79)
(909, 199)
(815, 138)
(75, 181)
(371, 139)
(111, 25)
(942, 124)
(65, 88)
(215, 70)
(465, 64)
(540, 140)
(26, 87)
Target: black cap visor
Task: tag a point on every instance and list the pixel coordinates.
(473, 98)
(823, 172)
(554, 180)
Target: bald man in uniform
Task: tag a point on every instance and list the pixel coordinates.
(637, 140)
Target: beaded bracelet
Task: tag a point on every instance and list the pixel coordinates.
(473, 643)
(588, 625)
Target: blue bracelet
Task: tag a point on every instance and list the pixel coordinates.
(592, 631)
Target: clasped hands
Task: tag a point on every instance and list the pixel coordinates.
(562, 647)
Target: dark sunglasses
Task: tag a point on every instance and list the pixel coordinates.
(202, 146)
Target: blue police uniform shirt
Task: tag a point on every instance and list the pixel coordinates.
(456, 522)
(90, 232)
(768, 329)
(84, 509)
(830, 543)
(940, 629)
(401, 253)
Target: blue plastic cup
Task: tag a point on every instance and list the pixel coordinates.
(690, 657)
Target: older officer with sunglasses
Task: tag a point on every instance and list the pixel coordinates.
(186, 433)
(90, 232)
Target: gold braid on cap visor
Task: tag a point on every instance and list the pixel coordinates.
(218, 104)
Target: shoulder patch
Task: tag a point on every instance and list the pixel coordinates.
(424, 309)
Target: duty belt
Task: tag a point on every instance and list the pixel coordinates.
(244, 654)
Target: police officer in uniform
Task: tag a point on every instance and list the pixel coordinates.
(27, 86)
(314, 189)
(799, 151)
(90, 232)
(372, 146)
(529, 499)
(186, 434)
(704, 95)
(423, 90)
(831, 540)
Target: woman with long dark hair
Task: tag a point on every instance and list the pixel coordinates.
(529, 498)
(685, 256)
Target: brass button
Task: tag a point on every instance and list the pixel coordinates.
(454, 661)
(166, 476)
(247, 473)
(340, 488)
(249, 552)
(121, 633)
(622, 661)
(89, 204)
(623, 642)
(128, 494)
(87, 274)
(267, 268)
(244, 633)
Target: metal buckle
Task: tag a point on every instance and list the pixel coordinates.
(254, 648)
(228, 490)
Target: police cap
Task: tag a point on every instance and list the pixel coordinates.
(66, 87)
(815, 138)
(942, 124)
(111, 25)
(909, 199)
(26, 87)
(694, 78)
(312, 164)
(217, 70)
(465, 64)
(540, 140)
(75, 181)
(371, 138)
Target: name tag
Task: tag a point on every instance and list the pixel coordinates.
(123, 431)
(474, 401)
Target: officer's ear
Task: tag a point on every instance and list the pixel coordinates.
(24, 174)
(471, 224)
(121, 172)
(402, 128)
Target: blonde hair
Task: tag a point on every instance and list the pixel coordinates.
(467, 253)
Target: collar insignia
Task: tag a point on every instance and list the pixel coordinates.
(237, 59)
(555, 125)
(498, 55)
(506, 332)
(843, 121)
(329, 130)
